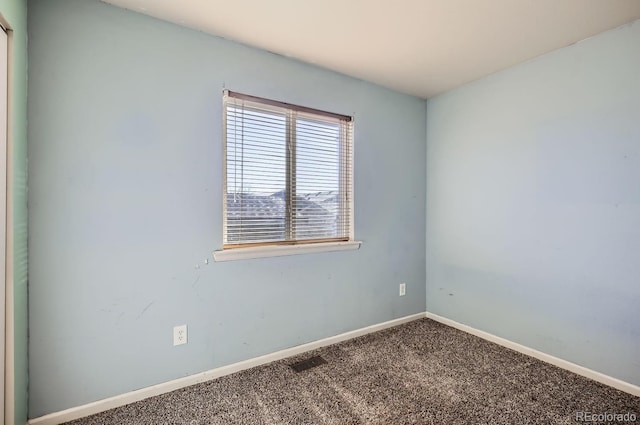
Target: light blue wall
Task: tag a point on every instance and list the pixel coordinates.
(125, 201)
(533, 204)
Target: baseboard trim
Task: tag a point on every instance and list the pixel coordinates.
(547, 358)
(154, 390)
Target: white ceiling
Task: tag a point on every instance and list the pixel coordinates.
(421, 47)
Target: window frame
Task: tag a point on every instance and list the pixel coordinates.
(235, 251)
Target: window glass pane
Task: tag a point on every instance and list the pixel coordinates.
(256, 175)
(317, 172)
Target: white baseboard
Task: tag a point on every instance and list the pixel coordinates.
(547, 358)
(154, 390)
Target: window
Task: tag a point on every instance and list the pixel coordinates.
(288, 174)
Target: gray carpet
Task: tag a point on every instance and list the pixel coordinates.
(419, 373)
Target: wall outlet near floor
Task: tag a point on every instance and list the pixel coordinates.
(403, 289)
(180, 335)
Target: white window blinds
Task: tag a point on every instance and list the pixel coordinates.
(288, 174)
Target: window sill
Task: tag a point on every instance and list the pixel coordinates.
(281, 250)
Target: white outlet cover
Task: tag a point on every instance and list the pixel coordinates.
(403, 289)
(180, 335)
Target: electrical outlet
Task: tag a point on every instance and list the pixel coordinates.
(403, 289)
(180, 335)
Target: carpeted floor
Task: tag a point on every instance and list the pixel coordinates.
(422, 372)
